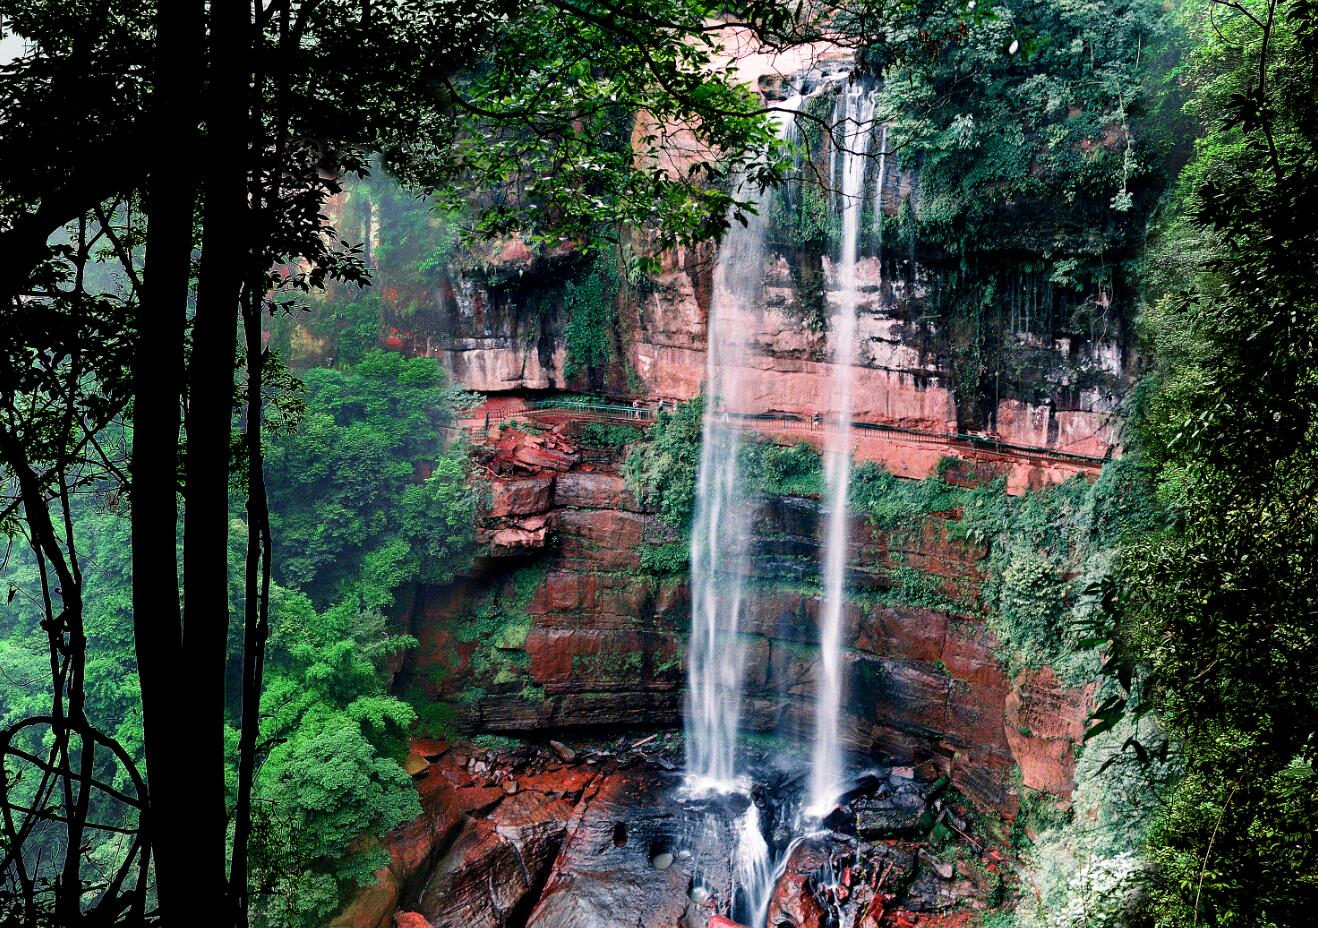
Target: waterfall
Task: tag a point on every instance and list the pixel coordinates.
(856, 112)
(721, 530)
(878, 189)
(720, 534)
(755, 869)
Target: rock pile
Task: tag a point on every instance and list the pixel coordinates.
(596, 835)
(507, 831)
(898, 854)
(520, 450)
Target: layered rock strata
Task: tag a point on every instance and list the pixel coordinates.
(579, 631)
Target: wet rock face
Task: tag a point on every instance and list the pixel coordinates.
(593, 641)
(601, 836)
(900, 812)
(889, 859)
(557, 837)
(498, 860)
(633, 856)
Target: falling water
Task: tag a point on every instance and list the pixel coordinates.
(856, 112)
(720, 535)
(754, 866)
(878, 188)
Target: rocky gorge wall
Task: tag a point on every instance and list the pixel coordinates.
(574, 623)
(1044, 359)
(503, 329)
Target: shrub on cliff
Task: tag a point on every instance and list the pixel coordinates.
(592, 316)
(662, 470)
(795, 470)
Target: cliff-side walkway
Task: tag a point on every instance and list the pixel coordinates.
(907, 452)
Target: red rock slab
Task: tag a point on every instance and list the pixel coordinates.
(476, 799)
(520, 496)
(607, 538)
(412, 845)
(904, 632)
(789, 614)
(1054, 718)
(530, 534)
(580, 490)
(792, 901)
(569, 781)
(475, 882)
(516, 449)
(1085, 432)
(492, 866)
(429, 748)
(608, 600)
(794, 904)
(411, 920)
(565, 660)
(968, 653)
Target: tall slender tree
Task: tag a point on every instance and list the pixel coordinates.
(158, 377)
(225, 261)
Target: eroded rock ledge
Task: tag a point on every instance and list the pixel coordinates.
(599, 836)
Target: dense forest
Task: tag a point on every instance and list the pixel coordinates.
(956, 363)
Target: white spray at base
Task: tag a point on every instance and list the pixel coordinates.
(856, 112)
(754, 866)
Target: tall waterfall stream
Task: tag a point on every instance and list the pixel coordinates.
(721, 532)
(720, 535)
(855, 113)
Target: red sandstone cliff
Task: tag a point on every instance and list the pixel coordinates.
(574, 634)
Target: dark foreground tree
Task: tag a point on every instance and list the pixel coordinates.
(227, 126)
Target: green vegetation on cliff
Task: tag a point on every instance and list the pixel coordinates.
(592, 316)
(1222, 605)
(1044, 551)
(662, 470)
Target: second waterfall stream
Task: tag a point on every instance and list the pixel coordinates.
(853, 126)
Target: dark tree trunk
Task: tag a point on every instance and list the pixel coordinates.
(158, 384)
(224, 261)
(256, 613)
